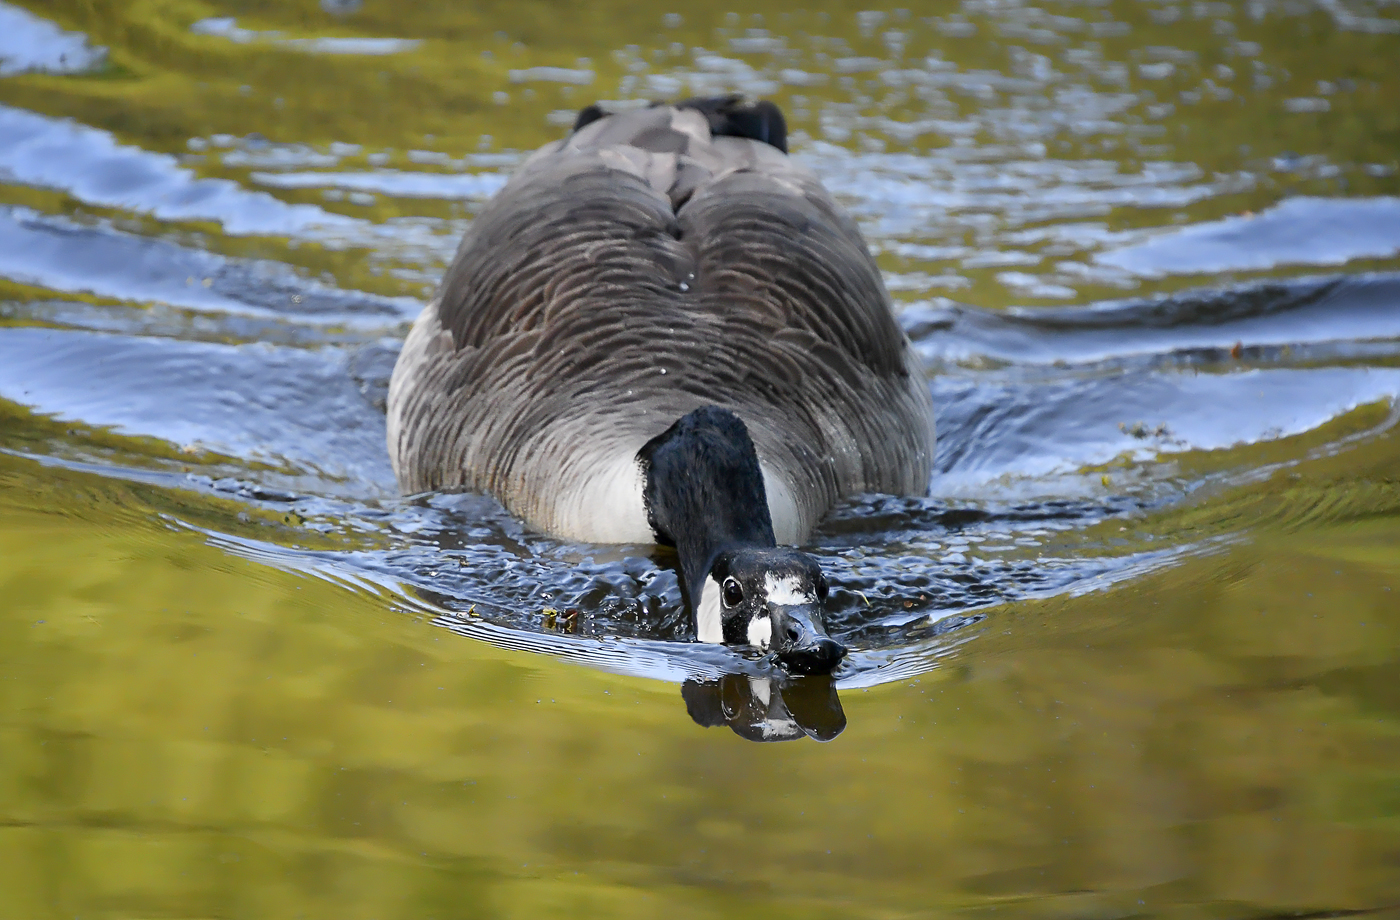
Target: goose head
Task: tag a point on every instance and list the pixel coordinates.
(705, 496)
(773, 599)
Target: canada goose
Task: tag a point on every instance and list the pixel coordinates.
(664, 329)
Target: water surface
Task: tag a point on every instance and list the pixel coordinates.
(1133, 656)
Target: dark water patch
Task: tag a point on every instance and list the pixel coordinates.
(854, 521)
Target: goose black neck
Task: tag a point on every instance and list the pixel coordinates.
(704, 492)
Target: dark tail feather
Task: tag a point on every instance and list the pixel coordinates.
(729, 116)
(588, 115)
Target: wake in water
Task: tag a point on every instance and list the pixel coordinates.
(1067, 439)
(1072, 440)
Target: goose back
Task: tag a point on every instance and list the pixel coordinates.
(641, 268)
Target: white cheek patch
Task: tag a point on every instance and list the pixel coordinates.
(708, 627)
(760, 632)
(787, 591)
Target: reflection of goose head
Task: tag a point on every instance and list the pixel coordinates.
(767, 709)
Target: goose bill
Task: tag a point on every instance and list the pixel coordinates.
(799, 639)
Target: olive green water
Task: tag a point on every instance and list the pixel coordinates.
(224, 686)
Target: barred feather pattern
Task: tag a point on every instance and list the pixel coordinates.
(627, 275)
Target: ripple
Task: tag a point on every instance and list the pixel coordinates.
(392, 182)
(29, 44)
(61, 255)
(227, 27)
(291, 408)
(1297, 231)
(92, 167)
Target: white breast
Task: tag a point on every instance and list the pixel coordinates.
(606, 506)
(782, 508)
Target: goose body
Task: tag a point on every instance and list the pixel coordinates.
(652, 264)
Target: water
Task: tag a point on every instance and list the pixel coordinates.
(1133, 655)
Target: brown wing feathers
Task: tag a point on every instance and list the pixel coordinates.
(677, 239)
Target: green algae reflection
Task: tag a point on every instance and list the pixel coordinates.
(191, 734)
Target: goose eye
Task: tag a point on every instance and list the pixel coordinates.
(733, 594)
(823, 589)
